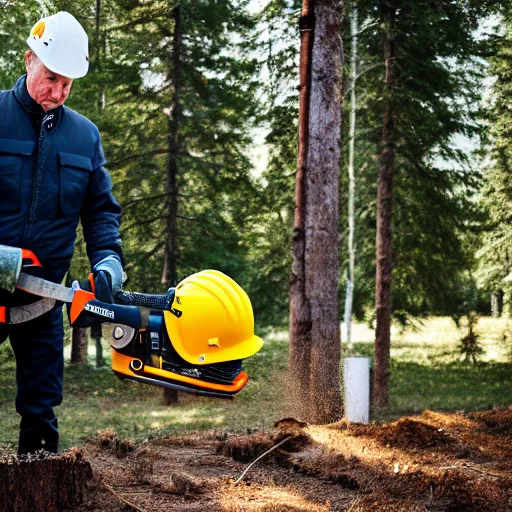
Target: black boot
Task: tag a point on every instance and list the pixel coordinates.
(37, 434)
(51, 436)
(31, 440)
(51, 447)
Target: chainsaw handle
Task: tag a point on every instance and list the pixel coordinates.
(161, 302)
(85, 303)
(29, 258)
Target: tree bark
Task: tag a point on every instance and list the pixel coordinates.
(170, 277)
(300, 314)
(314, 324)
(384, 256)
(53, 484)
(79, 343)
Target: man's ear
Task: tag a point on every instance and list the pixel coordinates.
(28, 58)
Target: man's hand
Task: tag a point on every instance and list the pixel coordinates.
(103, 286)
(102, 291)
(108, 279)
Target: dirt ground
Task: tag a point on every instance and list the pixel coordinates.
(432, 462)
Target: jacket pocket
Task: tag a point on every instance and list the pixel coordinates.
(75, 171)
(13, 155)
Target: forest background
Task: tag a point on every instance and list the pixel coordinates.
(197, 104)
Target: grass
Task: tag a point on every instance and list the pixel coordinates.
(426, 374)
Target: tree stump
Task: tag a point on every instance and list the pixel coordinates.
(43, 481)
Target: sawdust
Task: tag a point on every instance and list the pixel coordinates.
(434, 462)
(181, 483)
(411, 433)
(109, 440)
(247, 448)
(497, 422)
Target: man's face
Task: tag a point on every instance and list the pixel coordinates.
(47, 88)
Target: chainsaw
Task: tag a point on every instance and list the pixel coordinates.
(193, 338)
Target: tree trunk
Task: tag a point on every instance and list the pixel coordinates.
(314, 324)
(79, 343)
(497, 303)
(99, 43)
(97, 335)
(170, 397)
(384, 256)
(100, 103)
(349, 293)
(170, 277)
(100, 362)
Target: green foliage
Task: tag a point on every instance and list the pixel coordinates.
(270, 233)
(128, 94)
(16, 22)
(215, 189)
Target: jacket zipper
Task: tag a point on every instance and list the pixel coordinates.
(37, 178)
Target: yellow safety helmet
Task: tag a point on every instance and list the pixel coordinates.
(211, 320)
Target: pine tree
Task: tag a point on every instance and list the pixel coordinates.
(384, 257)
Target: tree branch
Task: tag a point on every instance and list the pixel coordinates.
(140, 223)
(136, 201)
(129, 158)
(193, 219)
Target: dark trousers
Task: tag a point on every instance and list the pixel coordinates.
(38, 347)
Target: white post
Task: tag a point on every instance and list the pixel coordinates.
(356, 382)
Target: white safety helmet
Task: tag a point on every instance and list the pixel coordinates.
(61, 44)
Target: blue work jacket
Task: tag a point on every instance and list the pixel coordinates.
(52, 175)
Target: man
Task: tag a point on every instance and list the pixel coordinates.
(51, 175)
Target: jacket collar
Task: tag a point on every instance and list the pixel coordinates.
(24, 98)
(50, 118)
